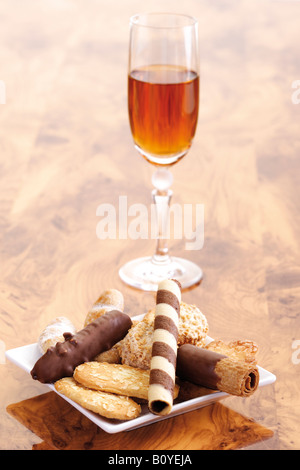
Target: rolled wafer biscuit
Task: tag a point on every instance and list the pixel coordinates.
(216, 371)
(239, 350)
(164, 347)
(100, 335)
(110, 299)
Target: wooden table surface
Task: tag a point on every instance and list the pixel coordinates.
(66, 148)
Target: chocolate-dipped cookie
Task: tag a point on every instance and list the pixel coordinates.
(216, 371)
(98, 336)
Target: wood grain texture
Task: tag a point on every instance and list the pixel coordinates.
(62, 427)
(66, 147)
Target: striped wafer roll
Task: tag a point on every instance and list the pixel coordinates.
(164, 347)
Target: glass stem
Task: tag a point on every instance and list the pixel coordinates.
(162, 180)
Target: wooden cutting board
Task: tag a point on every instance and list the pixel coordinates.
(62, 427)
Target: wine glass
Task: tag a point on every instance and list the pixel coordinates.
(163, 101)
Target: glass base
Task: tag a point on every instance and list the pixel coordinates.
(145, 273)
(162, 160)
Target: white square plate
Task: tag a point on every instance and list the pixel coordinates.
(26, 356)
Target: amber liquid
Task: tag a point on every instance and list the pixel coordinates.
(163, 111)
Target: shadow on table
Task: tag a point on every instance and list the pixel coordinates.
(62, 427)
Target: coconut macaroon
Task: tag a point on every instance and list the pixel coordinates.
(135, 348)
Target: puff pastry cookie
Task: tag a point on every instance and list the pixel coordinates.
(105, 404)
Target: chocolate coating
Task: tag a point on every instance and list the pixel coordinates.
(98, 336)
(164, 350)
(197, 365)
(159, 376)
(167, 297)
(166, 323)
